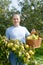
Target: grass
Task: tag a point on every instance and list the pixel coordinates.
(39, 59)
(39, 54)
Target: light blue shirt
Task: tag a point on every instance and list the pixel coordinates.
(18, 32)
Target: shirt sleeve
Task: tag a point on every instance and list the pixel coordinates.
(7, 34)
(27, 32)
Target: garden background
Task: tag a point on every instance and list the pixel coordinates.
(31, 16)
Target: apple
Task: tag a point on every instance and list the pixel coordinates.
(13, 48)
(33, 36)
(29, 37)
(31, 52)
(27, 46)
(10, 45)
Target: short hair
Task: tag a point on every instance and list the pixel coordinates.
(15, 15)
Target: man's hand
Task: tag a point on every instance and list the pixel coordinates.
(33, 31)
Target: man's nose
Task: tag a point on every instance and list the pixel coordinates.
(16, 20)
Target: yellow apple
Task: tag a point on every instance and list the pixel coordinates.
(29, 37)
(31, 52)
(13, 48)
(27, 46)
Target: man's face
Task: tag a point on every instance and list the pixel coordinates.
(16, 20)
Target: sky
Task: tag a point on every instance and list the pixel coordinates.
(15, 4)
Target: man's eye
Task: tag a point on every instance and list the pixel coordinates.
(17, 19)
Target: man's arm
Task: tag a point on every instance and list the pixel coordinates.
(7, 34)
(27, 32)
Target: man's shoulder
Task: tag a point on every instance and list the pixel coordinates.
(9, 28)
(23, 27)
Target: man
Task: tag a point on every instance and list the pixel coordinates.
(16, 32)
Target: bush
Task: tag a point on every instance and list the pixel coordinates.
(24, 53)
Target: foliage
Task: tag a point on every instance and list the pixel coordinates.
(5, 15)
(39, 50)
(32, 14)
(39, 54)
(3, 51)
(32, 17)
(39, 58)
(24, 53)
